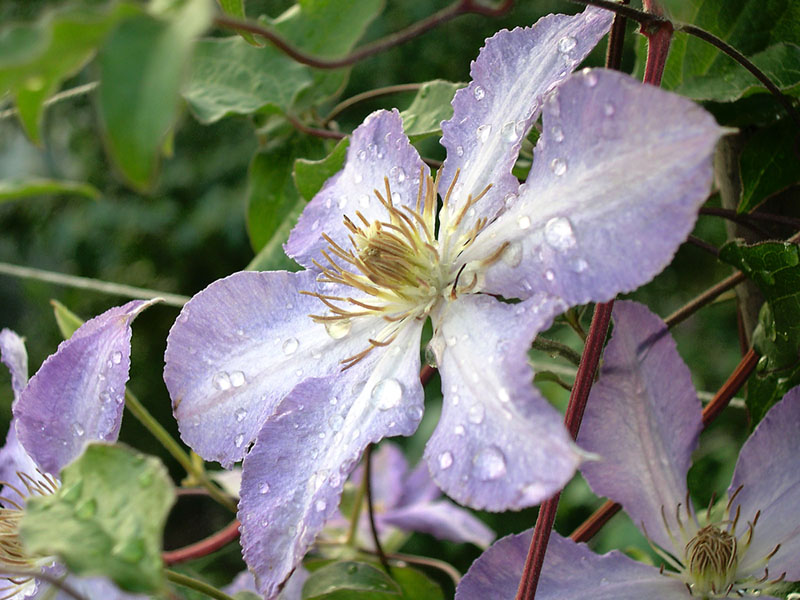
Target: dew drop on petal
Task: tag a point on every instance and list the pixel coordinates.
(553, 105)
(357, 178)
(579, 265)
(512, 255)
(608, 109)
(558, 166)
(77, 429)
(221, 381)
(483, 132)
(489, 463)
(336, 422)
(264, 488)
(387, 393)
(509, 200)
(238, 440)
(524, 222)
(503, 395)
(342, 202)
(290, 346)
(445, 460)
(116, 357)
(459, 430)
(241, 414)
(509, 131)
(589, 77)
(557, 133)
(479, 93)
(559, 234)
(549, 275)
(567, 44)
(338, 329)
(320, 505)
(476, 413)
(460, 150)
(362, 155)
(414, 413)
(237, 379)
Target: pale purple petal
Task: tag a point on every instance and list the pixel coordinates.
(643, 420)
(767, 471)
(378, 149)
(293, 477)
(618, 175)
(14, 356)
(293, 590)
(238, 347)
(78, 393)
(493, 115)
(570, 572)
(389, 470)
(419, 487)
(442, 519)
(498, 445)
(14, 460)
(92, 588)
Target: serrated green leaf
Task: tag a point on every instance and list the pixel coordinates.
(429, 108)
(350, 580)
(67, 321)
(13, 189)
(775, 268)
(107, 518)
(767, 164)
(142, 68)
(37, 58)
(311, 175)
(235, 8)
(765, 31)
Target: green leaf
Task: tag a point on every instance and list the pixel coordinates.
(67, 321)
(138, 98)
(35, 59)
(775, 268)
(416, 585)
(767, 164)
(765, 31)
(235, 8)
(429, 108)
(350, 580)
(107, 518)
(310, 175)
(12, 189)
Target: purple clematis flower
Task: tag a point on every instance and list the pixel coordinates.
(20, 475)
(643, 418)
(310, 367)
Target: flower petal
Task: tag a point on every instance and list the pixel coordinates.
(293, 477)
(618, 175)
(419, 487)
(378, 149)
(14, 460)
(14, 356)
(78, 393)
(570, 572)
(238, 347)
(767, 471)
(441, 519)
(498, 445)
(245, 582)
(389, 469)
(495, 112)
(643, 419)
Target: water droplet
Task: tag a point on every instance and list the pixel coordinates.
(512, 255)
(398, 173)
(264, 488)
(608, 109)
(559, 234)
(509, 131)
(338, 329)
(549, 275)
(509, 200)
(557, 133)
(503, 395)
(489, 464)
(116, 357)
(579, 265)
(238, 440)
(336, 422)
(479, 93)
(237, 379)
(524, 222)
(342, 202)
(445, 460)
(357, 178)
(459, 430)
(355, 435)
(567, 44)
(362, 155)
(589, 77)
(533, 493)
(241, 413)
(558, 166)
(320, 505)
(338, 438)
(387, 393)
(460, 150)
(483, 132)
(290, 346)
(476, 413)
(264, 523)
(553, 105)
(414, 413)
(221, 381)
(77, 429)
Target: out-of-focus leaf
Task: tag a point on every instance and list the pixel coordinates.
(350, 580)
(311, 175)
(36, 58)
(12, 189)
(142, 67)
(429, 108)
(775, 268)
(416, 585)
(67, 321)
(107, 518)
(766, 31)
(768, 164)
(235, 8)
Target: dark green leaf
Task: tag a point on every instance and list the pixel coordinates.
(67, 321)
(142, 68)
(416, 585)
(352, 581)
(107, 518)
(310, 175)
(12, 189)
(768, 164)
(429, 108)
(235, 8)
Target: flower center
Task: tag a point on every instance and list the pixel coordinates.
(712, 560)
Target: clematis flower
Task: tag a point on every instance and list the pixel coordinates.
(310, 367)
(643, 418)
(21, 477)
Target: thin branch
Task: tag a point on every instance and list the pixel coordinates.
(352, 100)
(371, 509)
(65, 95)
(703, 245)
(460, 7)
(86, 283)
(616, 41)
(204, 547)
(746, 219)
(315, 131)
(703, 299)
(197, 585)
(428, 562)
(554, 347)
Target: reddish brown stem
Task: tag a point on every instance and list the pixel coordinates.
(584, 379)
(203, 547)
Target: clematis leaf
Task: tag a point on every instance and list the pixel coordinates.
(350, 579)
(775, 268)
(67, 321)
(311, 175)
(12, 189)
(107, 518)
(431, 106)
(767, 165)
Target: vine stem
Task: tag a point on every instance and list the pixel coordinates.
(711, 411)
(371, 509)
(204, 547)
(390, 89)
(460, 7)
(197, 585)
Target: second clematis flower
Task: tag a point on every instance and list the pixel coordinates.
(305, 369)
